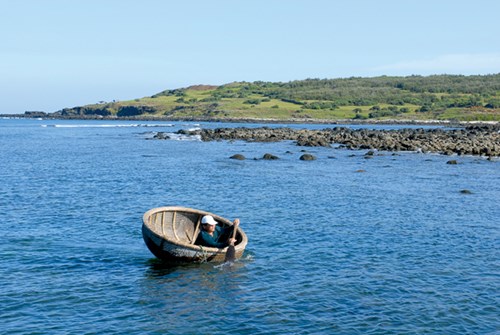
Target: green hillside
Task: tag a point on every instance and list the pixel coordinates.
(438, 97)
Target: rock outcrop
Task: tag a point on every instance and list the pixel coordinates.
(479, 140)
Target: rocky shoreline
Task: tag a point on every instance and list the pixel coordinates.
(466, 138)
(478, 140)
(340, 122)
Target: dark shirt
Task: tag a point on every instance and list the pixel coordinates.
(217, 240)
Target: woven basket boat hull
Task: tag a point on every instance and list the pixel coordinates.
(170, 233)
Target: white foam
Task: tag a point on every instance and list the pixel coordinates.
(106, 125)
(181, 137)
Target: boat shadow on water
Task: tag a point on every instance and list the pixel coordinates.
(157, 268)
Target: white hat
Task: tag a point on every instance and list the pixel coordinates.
(208, 219)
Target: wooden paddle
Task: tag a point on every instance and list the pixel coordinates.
(231, 251)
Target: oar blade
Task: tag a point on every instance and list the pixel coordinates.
(231, 250)
(230, 254)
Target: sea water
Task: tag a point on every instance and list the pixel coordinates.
(393, 244)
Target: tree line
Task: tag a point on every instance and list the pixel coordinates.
(436, 91)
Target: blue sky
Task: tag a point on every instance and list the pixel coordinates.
(65, 53)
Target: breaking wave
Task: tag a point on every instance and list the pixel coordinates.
(105, 125)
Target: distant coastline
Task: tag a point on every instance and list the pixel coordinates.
(384, 99)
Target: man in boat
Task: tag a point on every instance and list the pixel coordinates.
(215, 236)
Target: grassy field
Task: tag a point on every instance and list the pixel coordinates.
(474, 98)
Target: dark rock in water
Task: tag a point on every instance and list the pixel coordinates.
(238, 157)
(161, 136)
(269, 157)
(452, 162)
(465, 191)
(307, 157)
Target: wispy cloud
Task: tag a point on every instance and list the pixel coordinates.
(483, 63)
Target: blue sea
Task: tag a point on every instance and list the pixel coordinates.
(394, 244)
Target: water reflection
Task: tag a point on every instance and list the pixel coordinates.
(178, 295)
(158, 269)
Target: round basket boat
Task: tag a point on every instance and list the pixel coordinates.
(170, 233)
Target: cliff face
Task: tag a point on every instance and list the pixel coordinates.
(135, 110)
(108, 110)
(85, 111)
